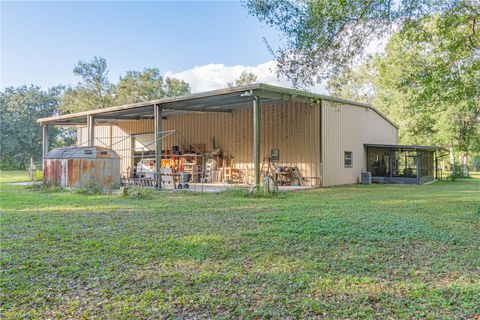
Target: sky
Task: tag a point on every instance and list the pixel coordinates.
(207, 44)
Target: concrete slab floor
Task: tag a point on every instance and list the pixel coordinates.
(217, 187)
(198, 187)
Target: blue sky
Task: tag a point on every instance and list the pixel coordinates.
(198, 41)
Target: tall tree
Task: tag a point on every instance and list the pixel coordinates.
(93, 91)
(358, 84)
(137, 86)
(428, 81)
(430, 76)
(20, 134)
(244, 79)
(324, 37)
(176, 87)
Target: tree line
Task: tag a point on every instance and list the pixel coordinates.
(427, 80)
(21, 136)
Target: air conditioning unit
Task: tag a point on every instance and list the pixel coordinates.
(366, 177)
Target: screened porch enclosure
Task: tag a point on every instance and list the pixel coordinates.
(400, 164)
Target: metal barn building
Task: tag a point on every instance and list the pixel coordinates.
(238, 135)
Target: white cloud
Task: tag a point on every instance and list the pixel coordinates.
(217, 76)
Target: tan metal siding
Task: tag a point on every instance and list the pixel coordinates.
(347, 128)
(111, 136)
(292, 127)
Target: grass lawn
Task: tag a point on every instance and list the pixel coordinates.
(379, 251)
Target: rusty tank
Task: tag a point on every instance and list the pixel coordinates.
(74, 167)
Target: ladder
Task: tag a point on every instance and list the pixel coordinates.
(297, 175)
(268, 167)
(209, 167)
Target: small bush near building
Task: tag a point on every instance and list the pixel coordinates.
(46, 187)
(90, 189)
(137, 193)
(457, 173)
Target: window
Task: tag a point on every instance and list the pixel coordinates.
(275, 155)
(348, 159)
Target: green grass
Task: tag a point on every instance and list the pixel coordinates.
(379, 251)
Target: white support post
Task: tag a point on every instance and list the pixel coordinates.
(44, 142)
(91, 130)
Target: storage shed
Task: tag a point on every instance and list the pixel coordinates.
(74, 167)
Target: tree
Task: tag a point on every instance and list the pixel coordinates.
(93, 92)
(245, 78)
(325, 37)
(138, 86)
(176, 87)
(431, 76)
(20, 134)
(476, 163)
(357, 84)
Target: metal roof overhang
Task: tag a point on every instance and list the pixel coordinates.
(401, 147)
(223, 100)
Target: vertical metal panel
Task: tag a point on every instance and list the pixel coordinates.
(256, 139)
(347, 128)
(77, 170)
(293, 128)
(112, 136)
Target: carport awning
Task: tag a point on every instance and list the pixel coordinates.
(224, 100)
(401, 147)
(218, 101)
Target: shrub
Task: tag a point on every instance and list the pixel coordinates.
(7, 166)
(46, 187)
(262, 193)
(476, 163)
(457, 173)
(90, 189)
(252, 193)
(235, 192)
(39, 175)
(137, 193)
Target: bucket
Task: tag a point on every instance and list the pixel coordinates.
(184, 177)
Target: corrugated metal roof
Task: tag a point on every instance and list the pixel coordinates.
(77, 152)
(223, 100)
(400, 146)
